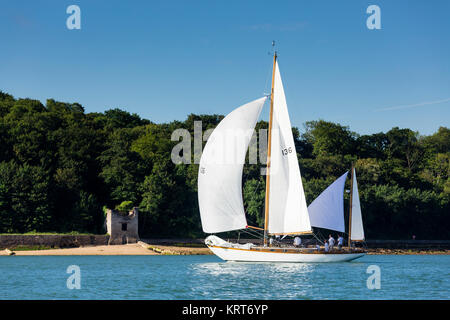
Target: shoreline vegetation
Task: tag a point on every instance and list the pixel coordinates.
(143, 248)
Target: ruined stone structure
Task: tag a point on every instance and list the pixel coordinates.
(122, 227)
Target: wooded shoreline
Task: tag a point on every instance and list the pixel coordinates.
(135, 249)
(197, 247)
(61, 167)
(84, 240)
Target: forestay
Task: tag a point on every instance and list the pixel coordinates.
(220, 171)
(288, 212)
(327, 210)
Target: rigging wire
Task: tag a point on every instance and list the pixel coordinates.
(271, 52)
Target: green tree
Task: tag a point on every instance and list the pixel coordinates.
(23, 198)
(122, 169)
(254, 197)
(329, 138)
(404, 145)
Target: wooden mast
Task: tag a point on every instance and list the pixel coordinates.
(269, 146)
(350, 210)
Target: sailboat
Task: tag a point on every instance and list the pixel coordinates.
(286, 212)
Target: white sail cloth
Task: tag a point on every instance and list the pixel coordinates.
(357, 229)
(288, 212)
(327, 210)
(220, 171)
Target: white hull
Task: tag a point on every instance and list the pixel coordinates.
(236, 252)
(233, 254)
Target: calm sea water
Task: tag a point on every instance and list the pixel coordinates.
(207, 277)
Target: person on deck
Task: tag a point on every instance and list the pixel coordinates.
(331, 242)
(340, 241)
(327, 247)
(297, 242)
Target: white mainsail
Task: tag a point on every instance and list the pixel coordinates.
(327, 210)
(288, 212)
(220, 171)
(357, 230)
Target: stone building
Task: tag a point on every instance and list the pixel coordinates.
(122, 227)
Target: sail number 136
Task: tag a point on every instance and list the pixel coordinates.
(286, 151)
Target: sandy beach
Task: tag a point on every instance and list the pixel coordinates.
(127, 249)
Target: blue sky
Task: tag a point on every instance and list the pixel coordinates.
(166, 59)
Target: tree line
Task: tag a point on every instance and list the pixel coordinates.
(59, 166)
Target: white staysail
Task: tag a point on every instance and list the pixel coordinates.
(327, 210)
(357, 230)
(288, 212)
(220, 171)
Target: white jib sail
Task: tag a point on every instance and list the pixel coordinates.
(357, 230)
(220, 171)
(327, 210)
(288, 212)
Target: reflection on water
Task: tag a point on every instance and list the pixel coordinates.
(293, 267)
(233, 268)
(268, 279)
